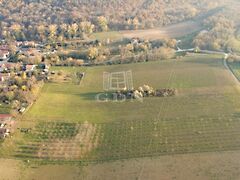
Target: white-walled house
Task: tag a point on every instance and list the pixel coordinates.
(4, 55)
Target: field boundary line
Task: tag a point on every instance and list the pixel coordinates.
(172, 73)
(81, 84)
(236, 79)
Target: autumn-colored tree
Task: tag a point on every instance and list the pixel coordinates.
(41, 30)
(17, 32)
(52, 29)
(135, 23)
(92, 53)
(86, 27)
(102, 23)
(9, 95)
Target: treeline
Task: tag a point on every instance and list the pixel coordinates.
(222, 34)
(54, 32)
(20, 90)
(161, 53)
(96, 52)
(34, 19)
(126, 51)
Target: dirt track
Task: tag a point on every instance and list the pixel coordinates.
(173, 31)
(233, 75)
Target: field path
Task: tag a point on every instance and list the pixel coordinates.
(225, 64)
(237, 81)
(231, 71)
(173, 31)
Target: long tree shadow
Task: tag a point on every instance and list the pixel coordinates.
(98, 96)
(91, 96)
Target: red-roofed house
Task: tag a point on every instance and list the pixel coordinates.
(4, 52)
(7, 65)
(5, 117)
(4, 47)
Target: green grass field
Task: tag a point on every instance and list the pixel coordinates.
(235, 67)
(204, 88)
(69, 124)
(4, 109)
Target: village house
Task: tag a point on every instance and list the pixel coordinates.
(5, 67)
(29, 52)
(29, 67)
(22, 110)
(4, 77)
(5, 117)
(4, 47)
(44, 67)
(5, 122)
(18, 43)
(4, 55)
(4, 52)
(4, 133)
(29, 44)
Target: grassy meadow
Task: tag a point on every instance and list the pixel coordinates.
(68, 124)
(4, 109)
(204, 88)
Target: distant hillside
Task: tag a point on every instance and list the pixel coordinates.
(33, 19)
(121, 14)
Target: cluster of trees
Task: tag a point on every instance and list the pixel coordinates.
(135, 49)
(233, 58)
(156, 54)
(55, 60)
(53, 32)
(51, 19)
(147, 13)
(221, 35)
(98, 54)
(20, 90)
(118, 51)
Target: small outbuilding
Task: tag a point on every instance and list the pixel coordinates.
(3, 133)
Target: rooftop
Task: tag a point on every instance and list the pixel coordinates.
(4, 116)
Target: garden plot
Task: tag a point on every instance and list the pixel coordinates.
(170, 136)
(60, 141)
(130, 139)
